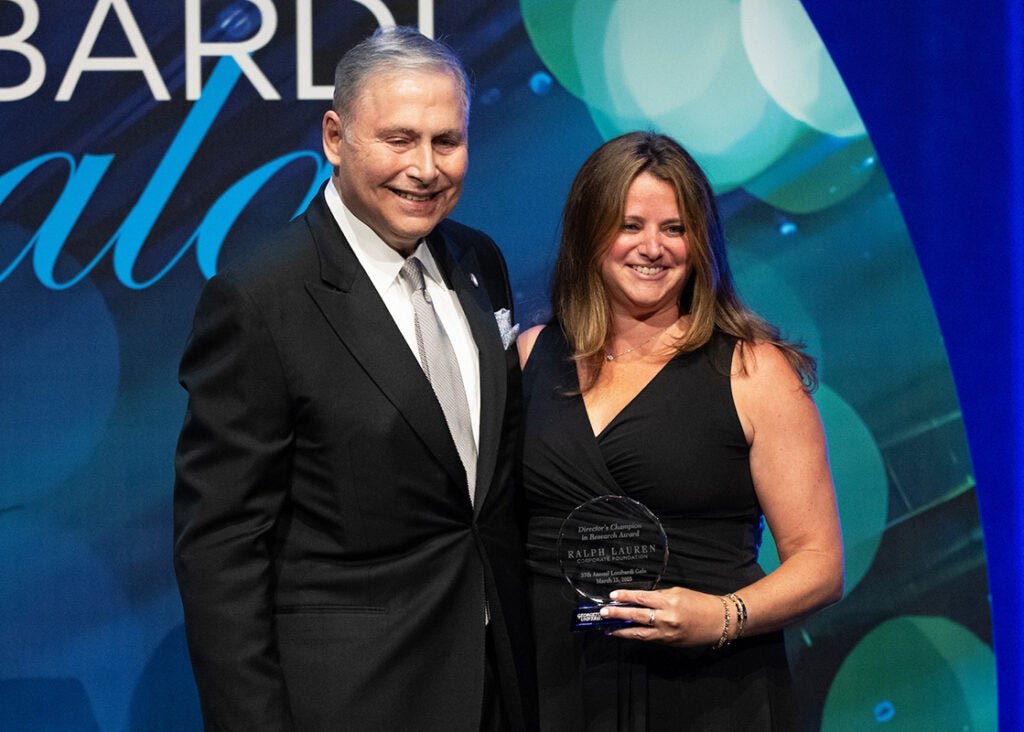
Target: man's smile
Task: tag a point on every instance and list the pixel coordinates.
(415, 197)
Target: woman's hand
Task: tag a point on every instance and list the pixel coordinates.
(675, 616)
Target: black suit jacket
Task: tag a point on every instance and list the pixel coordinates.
(332, 569)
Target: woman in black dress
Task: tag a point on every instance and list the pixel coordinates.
(655, 382)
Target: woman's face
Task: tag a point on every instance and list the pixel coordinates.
(646, 266)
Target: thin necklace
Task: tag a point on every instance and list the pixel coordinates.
(613, 356)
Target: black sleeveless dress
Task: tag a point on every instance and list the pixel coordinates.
(679, 449)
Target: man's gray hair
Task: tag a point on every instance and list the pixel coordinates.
(393, 49)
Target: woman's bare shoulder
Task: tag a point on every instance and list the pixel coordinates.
(525, 343)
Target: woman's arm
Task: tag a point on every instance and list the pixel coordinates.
(789, 465)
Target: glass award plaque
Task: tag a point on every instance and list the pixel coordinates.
(605, 544)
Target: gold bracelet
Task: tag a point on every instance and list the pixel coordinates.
(724, 640)
(741, 614)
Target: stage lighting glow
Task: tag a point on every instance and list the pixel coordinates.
(540, 83)
(239, 21)
(792, 64)
(884, 711)
(915, 672)
(549, 23)
(816, 172)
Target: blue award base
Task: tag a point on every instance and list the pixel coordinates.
(588, 617)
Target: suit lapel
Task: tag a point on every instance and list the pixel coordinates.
(354, 310)
(458, 266)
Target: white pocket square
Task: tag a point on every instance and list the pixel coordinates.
(508, 331)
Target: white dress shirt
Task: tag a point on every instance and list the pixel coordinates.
(382, 264)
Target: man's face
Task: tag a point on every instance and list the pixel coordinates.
(401, 156)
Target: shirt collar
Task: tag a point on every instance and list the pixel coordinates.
(381, 262)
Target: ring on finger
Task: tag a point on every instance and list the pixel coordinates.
(650, 618)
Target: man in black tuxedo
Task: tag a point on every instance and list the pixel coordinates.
(346, 559)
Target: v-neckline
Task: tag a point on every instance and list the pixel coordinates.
(615, 418)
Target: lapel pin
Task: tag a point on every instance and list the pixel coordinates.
(472, 278)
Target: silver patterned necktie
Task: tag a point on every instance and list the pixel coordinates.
(437, 358)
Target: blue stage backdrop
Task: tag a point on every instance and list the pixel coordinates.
(141, 142)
